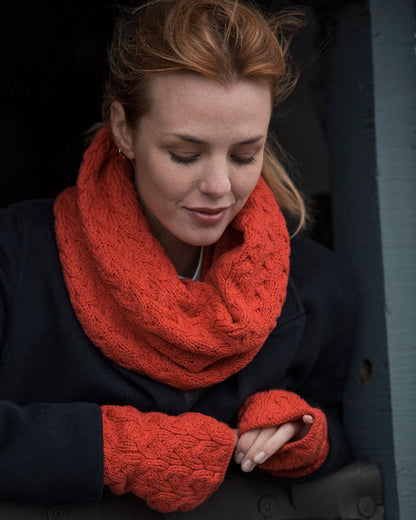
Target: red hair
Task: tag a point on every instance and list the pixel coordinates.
(221, 39)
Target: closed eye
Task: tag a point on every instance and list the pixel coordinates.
(183, 160)
(243, 160)
(238, 159)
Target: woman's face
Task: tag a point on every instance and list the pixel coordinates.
(198, 154)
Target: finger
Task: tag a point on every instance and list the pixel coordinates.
(235, 437)
(256, 450)
(244, 443)
(307, 423)
(260, 453)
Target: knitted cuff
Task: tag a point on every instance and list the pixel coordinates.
(275, 407)
(173, 463)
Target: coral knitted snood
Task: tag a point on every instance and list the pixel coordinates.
(127, 294)
(132, 305)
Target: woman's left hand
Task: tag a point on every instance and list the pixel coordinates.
(256, 446)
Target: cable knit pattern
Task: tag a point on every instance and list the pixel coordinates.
(275, 407)
(128, 297)
(173, 463)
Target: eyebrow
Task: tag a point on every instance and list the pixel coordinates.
(192, 139)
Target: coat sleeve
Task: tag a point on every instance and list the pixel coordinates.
(48, 451)
(51, 452)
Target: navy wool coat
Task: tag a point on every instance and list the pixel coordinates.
(53, 379)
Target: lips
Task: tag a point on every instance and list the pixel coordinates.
(208, 216)
(210, 211)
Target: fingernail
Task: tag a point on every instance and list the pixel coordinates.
(247, 466)
(259, 457)
(239, 457)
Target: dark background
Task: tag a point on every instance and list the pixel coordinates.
(53, 66)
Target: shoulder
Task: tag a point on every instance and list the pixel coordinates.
(29, 220)
(26, 231)
(29, 214)
(311, 261)
(318, 273)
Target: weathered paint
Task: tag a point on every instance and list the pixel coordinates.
(394, 70)
(357, 236)
(372, 123)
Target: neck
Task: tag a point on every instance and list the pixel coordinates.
(185, 259)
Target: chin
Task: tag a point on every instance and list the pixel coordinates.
(204, 239)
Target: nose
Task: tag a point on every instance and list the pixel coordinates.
(215, 179)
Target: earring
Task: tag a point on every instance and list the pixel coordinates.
(120, 151)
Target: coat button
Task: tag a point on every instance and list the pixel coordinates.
(367, 507)
(267, 505)
(57, 513)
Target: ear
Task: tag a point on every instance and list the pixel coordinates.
(123, 137)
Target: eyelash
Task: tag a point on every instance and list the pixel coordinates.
(240, 160)
(189, 160)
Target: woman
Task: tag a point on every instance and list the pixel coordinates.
(157, 321)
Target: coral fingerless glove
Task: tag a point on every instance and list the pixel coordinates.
(275, 407)
(173, 463)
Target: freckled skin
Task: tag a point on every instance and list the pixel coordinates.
(189, 155)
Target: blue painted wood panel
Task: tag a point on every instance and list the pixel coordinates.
(372, 129)
(394, 71)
